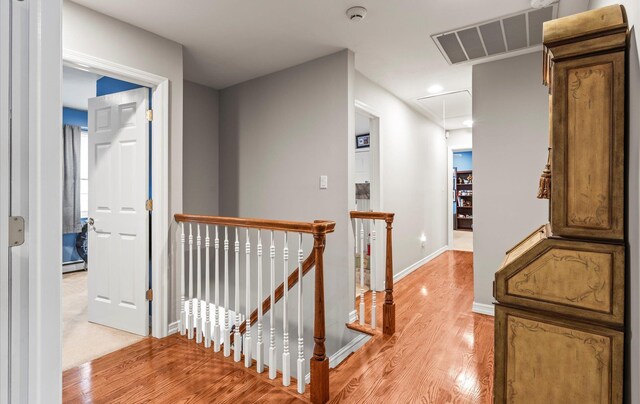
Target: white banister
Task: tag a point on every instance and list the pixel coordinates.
(207, 294)
(227, 325)
(259, 344)
(199, 287)
(183, 314)
(272, 329)
(237, 337)
(301, 378)
(247, 334)
(286, 371)
(372, 271)
(362, 272)
(191, 319)
(216, 312)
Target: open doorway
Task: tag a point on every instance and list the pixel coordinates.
(368, 185)
(461, 187)
(106, 183)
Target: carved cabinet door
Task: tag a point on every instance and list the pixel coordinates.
(587, 194)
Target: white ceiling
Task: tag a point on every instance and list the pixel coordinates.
(77, 87)
(230, 41)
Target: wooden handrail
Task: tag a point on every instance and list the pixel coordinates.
(315, 227)
(389, 307)
(355, 214)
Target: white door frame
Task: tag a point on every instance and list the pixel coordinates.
(376, 189)
(159, 171)
(5, 60)
(450, 151)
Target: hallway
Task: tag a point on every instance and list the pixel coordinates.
(441, 353)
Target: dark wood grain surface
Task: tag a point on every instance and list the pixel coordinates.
(441, 353)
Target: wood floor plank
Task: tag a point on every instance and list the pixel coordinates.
(441, 353)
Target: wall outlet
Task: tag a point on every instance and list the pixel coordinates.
(423, 241)
(324, 180)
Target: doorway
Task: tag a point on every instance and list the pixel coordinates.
(368, 186)
(105, 226)
(461, 199)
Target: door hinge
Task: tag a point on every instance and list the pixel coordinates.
(149, 115)
(150, 294)
(16, 231)
(149, 205)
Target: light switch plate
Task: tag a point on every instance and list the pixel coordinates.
(324, 182)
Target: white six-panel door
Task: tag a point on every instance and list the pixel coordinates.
(118, 189)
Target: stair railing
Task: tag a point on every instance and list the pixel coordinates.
(389, 306)
(209, 320)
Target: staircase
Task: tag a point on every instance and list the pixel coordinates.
(211, 265)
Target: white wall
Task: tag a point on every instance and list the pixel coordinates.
(200, 175)
(278, 134)
(632, 381)
(414, 175)
(510, 140)
(460, 139)
(103, 37)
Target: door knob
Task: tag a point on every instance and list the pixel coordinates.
(91, 222)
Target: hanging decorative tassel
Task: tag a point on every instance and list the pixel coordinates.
(544, 188)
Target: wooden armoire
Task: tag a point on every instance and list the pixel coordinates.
(560, 293)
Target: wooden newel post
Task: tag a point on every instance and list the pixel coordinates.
(319, 361)
(389, 308)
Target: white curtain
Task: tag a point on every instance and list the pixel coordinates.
(71, 186)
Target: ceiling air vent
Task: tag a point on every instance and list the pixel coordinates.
(509, 33)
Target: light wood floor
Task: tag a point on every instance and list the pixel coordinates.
(441, 353)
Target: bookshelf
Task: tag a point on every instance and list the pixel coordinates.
(464, 200)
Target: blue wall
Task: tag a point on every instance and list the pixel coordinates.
(108, 85)
(463, 161)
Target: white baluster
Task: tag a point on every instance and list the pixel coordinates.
(272, 328)
(260, 345)
(216, 311)
(362, 272)
(247, 332)
(183, 314)
(199, 291)
(237, 337)
(227, 325)
(207, 298)
(191, 319)
(301, 373)
(372, 270)
(286, 372)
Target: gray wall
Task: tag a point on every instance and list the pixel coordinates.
(278, 134)
(414, 174)
(200, 145)
(510, 140)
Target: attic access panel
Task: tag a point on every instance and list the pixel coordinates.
(505, 34)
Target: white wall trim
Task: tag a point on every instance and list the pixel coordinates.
(342, 353)
(419, 263)
(160, 174)
(353, 316)
(481, 308)
(173, 328)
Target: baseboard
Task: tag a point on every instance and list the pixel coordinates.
(353, 316)
(481, 308)
(418, 264)
(342, 353)
(173, 328)
(73, 267)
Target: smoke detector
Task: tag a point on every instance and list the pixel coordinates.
(356, 13)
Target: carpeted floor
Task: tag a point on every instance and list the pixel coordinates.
(83, 341)
(462, 240)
